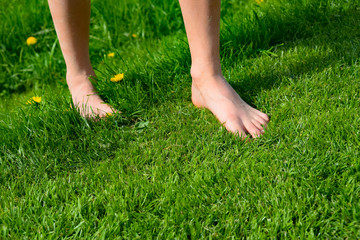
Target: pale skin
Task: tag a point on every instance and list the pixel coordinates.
(209, 88)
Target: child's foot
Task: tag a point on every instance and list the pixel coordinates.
(216, 94)
(85, 98)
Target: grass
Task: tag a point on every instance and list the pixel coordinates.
(164, 169)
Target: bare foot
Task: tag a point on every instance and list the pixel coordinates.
(84, 96)
(216, 94)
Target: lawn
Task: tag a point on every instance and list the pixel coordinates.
(163, 169)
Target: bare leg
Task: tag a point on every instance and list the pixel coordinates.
(72, 19)
(209, 88)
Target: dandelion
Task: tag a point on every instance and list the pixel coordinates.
(34, 99)
(31, 41)
(259, 1)
(117, 77)
(134, 35)
(108, 114)
(111, 55)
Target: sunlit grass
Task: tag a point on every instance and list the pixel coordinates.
(163, 168)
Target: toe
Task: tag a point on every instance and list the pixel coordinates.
(253, 130)
(264, 116)
(259, 125)
(263, 123)
(234, 125)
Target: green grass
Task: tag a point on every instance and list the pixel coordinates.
(164, 169)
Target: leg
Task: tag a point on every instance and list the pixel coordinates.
(72, 19)
(209, 88)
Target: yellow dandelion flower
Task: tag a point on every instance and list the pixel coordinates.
(108, 114)
(134, 35)
(259, 1)
(31, 41)
(34, 99)
(111, 55)
(117, 77)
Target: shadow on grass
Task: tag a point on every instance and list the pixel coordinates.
(336, 42)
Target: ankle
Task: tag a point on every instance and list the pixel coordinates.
(79, 82)
(199, 71)
(74, 76)
(79, 68)
(73, 73)
(203, 76)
